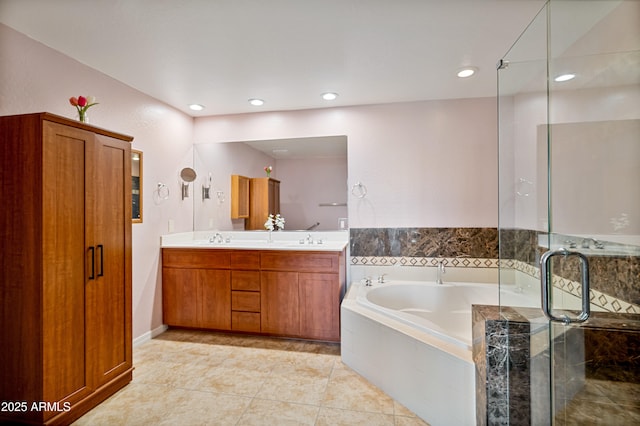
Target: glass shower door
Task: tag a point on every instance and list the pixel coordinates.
(569, 164)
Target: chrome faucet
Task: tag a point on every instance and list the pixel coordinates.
(596, 243)
(440, 271)
(309, 239)
(217, 238)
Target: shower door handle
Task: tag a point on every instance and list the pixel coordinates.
(546, 284)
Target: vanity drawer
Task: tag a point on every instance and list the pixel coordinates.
(195, 258)
(245, 259)
(248, 301)
(245, 321)
(300, 261)
(245, 280)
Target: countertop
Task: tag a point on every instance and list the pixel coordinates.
(259, 240)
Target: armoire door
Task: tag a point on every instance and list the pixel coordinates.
(108, 295)
(65, 266)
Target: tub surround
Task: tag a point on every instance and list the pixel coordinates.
(419, 364)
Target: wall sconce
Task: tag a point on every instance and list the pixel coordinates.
(188, 175)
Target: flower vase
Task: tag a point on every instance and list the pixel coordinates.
(269, 239)
(268, 174)
(82, 117)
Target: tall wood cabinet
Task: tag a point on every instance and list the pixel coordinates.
(65, 267)
(264, 196)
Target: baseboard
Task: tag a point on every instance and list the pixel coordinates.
(149, 335)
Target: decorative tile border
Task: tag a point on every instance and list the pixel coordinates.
(602, 300)
(457, 262)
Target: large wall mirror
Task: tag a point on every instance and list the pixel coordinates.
(136, 186)
(312, 172)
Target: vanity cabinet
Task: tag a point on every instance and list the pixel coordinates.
(301, 293)
(275, 292)
(196, 290)
(264, 196)
(65, 273)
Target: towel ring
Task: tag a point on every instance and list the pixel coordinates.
(162, 191)
(359, 190)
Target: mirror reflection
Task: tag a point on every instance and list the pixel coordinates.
(136, 186)
(312, 173)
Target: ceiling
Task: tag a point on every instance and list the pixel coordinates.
(220, 53)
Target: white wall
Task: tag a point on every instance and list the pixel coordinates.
(35, 78)
(427, 164)
(307, 183)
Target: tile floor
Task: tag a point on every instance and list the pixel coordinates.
(202, 378)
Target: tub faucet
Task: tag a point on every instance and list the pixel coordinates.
(440, 271)
(596, 243)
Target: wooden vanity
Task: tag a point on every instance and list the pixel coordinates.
(287, 293)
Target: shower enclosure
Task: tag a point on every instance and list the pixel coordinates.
(569, 216)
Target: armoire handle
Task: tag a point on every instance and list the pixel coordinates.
(93, 263)
(101, 248)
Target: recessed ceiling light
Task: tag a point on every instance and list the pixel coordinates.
(256, 102)
(329, 96)
(564, 77)
(196, 107)
(467, 72)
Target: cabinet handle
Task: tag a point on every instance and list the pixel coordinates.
(101, 248)
(93, 263)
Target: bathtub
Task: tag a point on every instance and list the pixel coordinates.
(413, 341)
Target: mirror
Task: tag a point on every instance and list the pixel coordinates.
(188, 175)
(312, 172)
(136, 186)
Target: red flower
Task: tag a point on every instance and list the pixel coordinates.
(73, 101)
(82, 101)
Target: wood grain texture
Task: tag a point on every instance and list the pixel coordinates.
(289, 293)
(264, 196)
(48, 183)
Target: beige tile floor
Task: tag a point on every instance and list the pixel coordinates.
(202, 378)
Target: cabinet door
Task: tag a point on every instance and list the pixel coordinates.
(179, 297)
(319, 306)
(279, 302)
(108, 307)
(239, 197)
(274, 196)
(64, 266)
(214, 299)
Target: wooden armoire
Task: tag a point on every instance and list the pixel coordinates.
(264, 199)
(65, 267)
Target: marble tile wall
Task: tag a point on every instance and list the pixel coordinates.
(611, 277)
(425, 242)
(595, 367)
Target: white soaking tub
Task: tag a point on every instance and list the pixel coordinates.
(413, 341)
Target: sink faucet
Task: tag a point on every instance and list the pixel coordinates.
(217, 238)
(596, 243)
(309, 239)
(440, 271)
